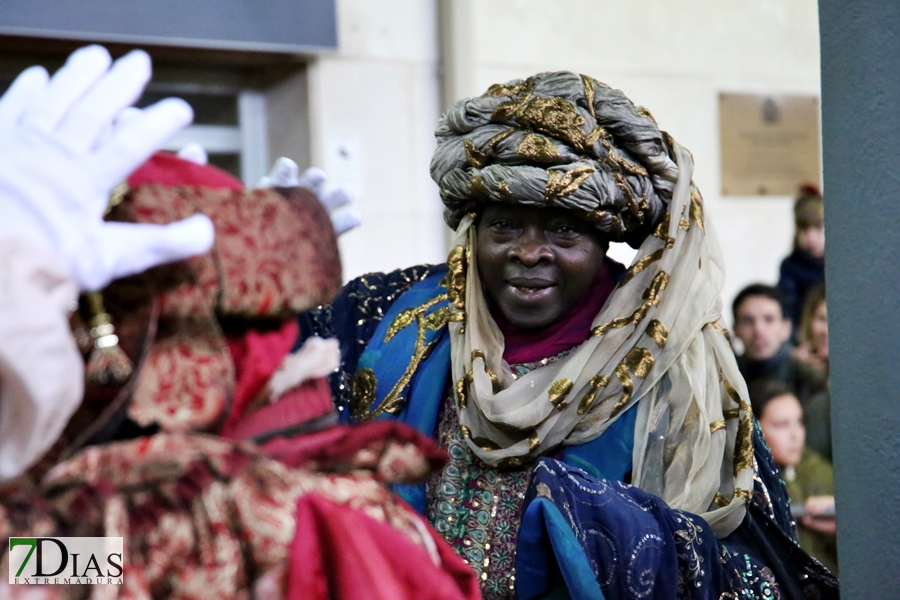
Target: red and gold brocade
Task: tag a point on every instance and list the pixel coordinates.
(203, 517)
(213, 516)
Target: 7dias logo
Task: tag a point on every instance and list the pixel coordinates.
(65, 560)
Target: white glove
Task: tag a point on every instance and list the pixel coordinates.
(64, 148)
(284, 174)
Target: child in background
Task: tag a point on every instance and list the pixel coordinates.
(804, 269)
(808, 477)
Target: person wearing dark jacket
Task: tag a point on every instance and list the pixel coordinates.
(804, 268)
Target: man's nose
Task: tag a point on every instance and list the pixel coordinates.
(531, 247)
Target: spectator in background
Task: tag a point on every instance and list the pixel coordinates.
(804, 268)
(813, 351)
(813, 335)
(763, 328)
(808, 477)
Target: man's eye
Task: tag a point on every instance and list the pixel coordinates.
(566, 230)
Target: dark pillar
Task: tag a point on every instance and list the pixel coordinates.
(861, 157)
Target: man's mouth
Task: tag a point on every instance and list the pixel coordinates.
(530, 289)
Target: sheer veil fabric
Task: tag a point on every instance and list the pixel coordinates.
(656, 343)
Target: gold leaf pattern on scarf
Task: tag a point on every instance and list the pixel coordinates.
(744, 495)
(588, 84)
(639, 361)
(697, 207)
(474, 157)
(505, 111)
(561, 184)
(658, 332)
(479, 159)
(662, 231)
(684, 224)
(626, 189)
(478, 189)
(743, 451)
(640, 265)
(625, 164)
(362, 393)
(627, 388)
(596, 134)
(461, 393)
(533, 442)
(466, 432)
(642, 110)
(716, 426)
(537, 149)
(478, 354)
(721, 500)
(715, 325)
(496, 386)
(651, 298)
(558, 391)
(596, 382)
(499, 90)
(555, 116)
(732, 393)
(734, 413)
(455, 281)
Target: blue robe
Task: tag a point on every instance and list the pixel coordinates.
(585, 532)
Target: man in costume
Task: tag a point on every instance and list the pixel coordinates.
(601, 442)
(187, 429)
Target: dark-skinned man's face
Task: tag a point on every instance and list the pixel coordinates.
(536, 264)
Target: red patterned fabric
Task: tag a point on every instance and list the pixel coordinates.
(302, 405)
(275, 255)
(256, 355)
(168, 169)
(186, 288)
(187, 380)
(396, 452)
(203, 517)
(339, 553)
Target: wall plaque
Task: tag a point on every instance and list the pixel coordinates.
(770, 143)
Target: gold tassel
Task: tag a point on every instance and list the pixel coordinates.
(116, 197)
(107, 364)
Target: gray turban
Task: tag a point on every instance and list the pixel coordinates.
(558, 140)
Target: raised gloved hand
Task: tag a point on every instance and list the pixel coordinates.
(284, 173)
(65, 148)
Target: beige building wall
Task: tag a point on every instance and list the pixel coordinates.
(381, 94)
(373, 108)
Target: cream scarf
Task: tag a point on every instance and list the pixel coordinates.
(656, 342)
